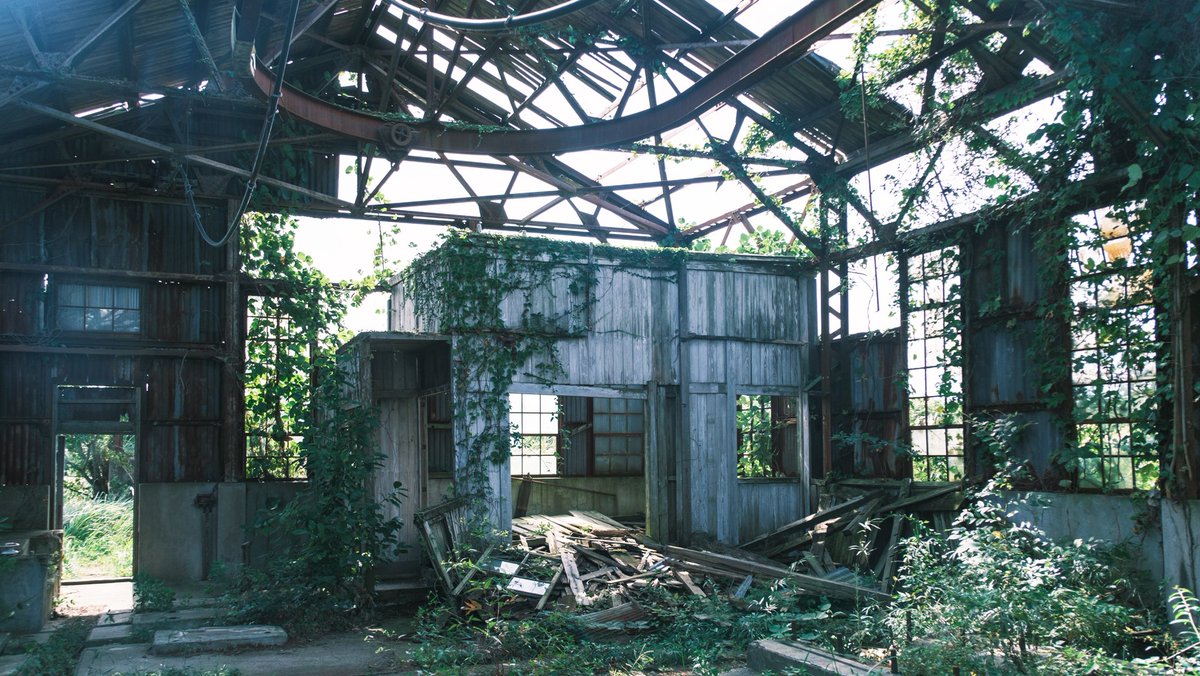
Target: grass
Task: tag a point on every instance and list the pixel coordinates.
(98, 538)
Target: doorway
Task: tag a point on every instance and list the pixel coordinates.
(97, 480)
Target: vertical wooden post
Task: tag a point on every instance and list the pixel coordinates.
(233, 437)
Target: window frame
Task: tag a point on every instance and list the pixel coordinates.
(57, 287)
(779, 433)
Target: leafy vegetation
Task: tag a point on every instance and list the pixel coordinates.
(151, 594)
(97, 537)
(334, 530)
(99, 465)
(687, 633)
(59, 653)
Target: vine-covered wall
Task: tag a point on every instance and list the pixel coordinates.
(556, 317)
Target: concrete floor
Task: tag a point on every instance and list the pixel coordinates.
(348, 654)
(366, 651)
(95, 598)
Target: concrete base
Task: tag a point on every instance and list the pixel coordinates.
(112, 618)
(797, 658)
(1181, 546)
(118, 633)
(215, 639)
(9, 664)
(350, 654)
(187, 618)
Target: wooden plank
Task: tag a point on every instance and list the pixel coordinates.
(607, 570)
(571, 571)
(744, 587)
(889, 555)
(462, 584)
(918, 499)
(523, 493)
(806, 582)
(550, 590)
(813, 562)
(686, 579)
(807, 523)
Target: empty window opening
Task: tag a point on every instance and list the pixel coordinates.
(935, 411)
(766, 436)
(577, 436)
(1113, 357)
(93, 307)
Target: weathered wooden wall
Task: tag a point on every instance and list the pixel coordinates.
(181, 363)
(390, 375)
(709, 327)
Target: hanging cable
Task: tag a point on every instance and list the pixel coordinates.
(501, 24)
(264, 137)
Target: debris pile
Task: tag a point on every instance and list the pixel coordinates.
(587, 562)
(859, 532)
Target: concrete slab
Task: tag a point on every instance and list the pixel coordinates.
(117, 633)
(797, 658)
(348, 654)
(185, 618)
(90, 599)
(9, 664)
(114, 617)
(212, 639)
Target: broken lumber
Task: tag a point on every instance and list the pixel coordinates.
(808, 583)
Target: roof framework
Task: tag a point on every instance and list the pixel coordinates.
(619, 120)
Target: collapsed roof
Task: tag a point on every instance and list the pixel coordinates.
(491, 114)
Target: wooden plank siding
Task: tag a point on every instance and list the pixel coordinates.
(748, 330)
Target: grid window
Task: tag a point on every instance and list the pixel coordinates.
(935, 415)
(1113, 357)
(534, 419)
(766, 433)
(617, 432)
(272, 450)
(91, 307)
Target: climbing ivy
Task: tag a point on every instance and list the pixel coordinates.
(300, 392)
(1123, 139)
(489, 294)
(463, 288)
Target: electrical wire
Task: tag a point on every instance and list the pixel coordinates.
(509, 22)
(264, 137)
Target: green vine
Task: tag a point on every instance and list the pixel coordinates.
(334, 531)
(488, 293)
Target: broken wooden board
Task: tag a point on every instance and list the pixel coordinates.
(571, 572)
(781, 539)
(807, 583)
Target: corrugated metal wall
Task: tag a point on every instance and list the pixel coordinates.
(173, 361)
(868, 406)
(1007, 344)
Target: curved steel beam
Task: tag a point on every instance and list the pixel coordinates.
(502, 24)
(775, 50)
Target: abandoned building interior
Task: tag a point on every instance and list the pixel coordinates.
(710, 267)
